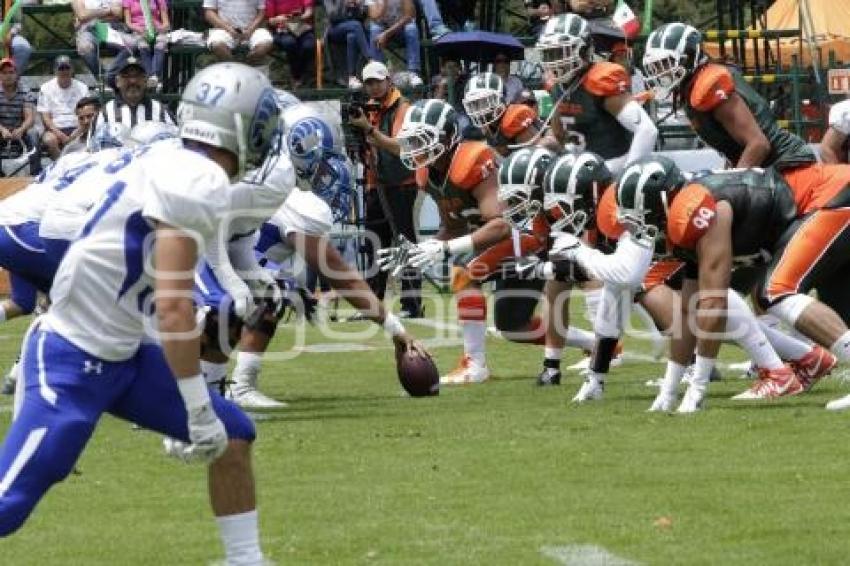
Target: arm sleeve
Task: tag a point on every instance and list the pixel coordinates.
(626, 267)
(635, 119)
(242, 256)
(839, 117)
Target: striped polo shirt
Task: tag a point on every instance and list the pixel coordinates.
(148, 110)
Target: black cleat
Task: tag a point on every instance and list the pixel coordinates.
(549, 376)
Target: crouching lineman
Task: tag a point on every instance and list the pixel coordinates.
(738, 217)
(460, 177)
(161, 206)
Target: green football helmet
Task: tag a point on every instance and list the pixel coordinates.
(521, 184)
(673, 52)
(565, 46)
(483, 99)
(572, 188)
(429, 130)
(644, 192)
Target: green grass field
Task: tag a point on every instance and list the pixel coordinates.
(500, 473)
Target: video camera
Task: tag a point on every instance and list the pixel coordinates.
(352, 106)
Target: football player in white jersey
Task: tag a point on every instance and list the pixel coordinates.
(97, 352)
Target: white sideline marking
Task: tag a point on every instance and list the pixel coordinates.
(584, 555)
(433, 324)
(343, 347)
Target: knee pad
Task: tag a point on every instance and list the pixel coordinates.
(789, 308)
(471, 305)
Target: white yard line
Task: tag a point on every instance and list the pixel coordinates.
(584, 555)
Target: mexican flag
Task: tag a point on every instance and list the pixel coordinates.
(625, 19)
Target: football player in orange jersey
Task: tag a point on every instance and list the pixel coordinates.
(460, 177)
(593, 99)
(741, 216)
(504, 125)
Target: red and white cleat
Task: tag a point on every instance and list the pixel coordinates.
(812, 367)
(772, 383)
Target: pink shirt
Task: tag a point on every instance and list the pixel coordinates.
(284, 7)
(137, 17)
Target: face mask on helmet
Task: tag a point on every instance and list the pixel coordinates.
(563, 57)
(572, 188)
(420, 145)
(521, 204)
(644, 192)
(520, 191)
(332, 183)
(309, 141)
(663, 71)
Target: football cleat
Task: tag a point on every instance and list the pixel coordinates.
(549, 376)
(11, 378)
(772, 383)
(591, 390)
(468, 371)
(663, 403)
(249, 397)
(692, 401)
(812, 367)
(841, 404)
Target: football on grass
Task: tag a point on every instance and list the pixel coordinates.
(418, 375)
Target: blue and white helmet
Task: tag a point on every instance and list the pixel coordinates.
(105, 135)
(333, 184)
(309, 140)
(147, 132)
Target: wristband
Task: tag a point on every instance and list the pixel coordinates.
(194, 391)
(460, 245)
(392, 325)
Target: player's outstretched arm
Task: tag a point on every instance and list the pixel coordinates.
(738, 121)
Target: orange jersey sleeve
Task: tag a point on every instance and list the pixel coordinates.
(713, 84)
(606, 216)
(517, 117)
(691, 214)
(473, 162)
(422, 178)
(607, 79)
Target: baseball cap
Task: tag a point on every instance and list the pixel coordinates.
(63, 61)
(8, 61)
(375, 70)
(131, 62)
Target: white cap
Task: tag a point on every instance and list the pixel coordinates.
(375, 70)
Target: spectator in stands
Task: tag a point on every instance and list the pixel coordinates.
(387, 174)
(238, 23)
(18, 45)
(132, 104)
(591, 9)
(512, 83)
(151, 43)
(436, 27)
(87, 15)
(387, 18)
(57, 101)
(291, 22)
(87, 109)
(346, 26)
(538, 12)
(16, 114)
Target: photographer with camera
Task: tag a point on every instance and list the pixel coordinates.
(346, 26)
(388, 180)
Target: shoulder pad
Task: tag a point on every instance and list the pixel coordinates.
(606, 216)
(691, 214)
(473, 162)
(607, 79)
(713, 84)
(516, 118)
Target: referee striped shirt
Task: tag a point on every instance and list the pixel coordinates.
(148, 110)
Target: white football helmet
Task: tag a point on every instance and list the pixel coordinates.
(233, 107)
(148, 132)
(565, 46)
(483, 99)
(673, 51)
(429, 129)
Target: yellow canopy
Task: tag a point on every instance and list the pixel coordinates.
(825, 26)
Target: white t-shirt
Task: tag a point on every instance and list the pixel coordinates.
(302, 213)
(839, 117)
(103, 289)
(61, 102)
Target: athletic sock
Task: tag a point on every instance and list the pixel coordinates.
(788, 347)
(247, 367)
(241, 537)
(580, 338)
(841, 348)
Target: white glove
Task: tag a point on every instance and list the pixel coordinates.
(208, 436)
(242, 296)
(564, 246)
(392, 259)
(426, 253)
(265, 285)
